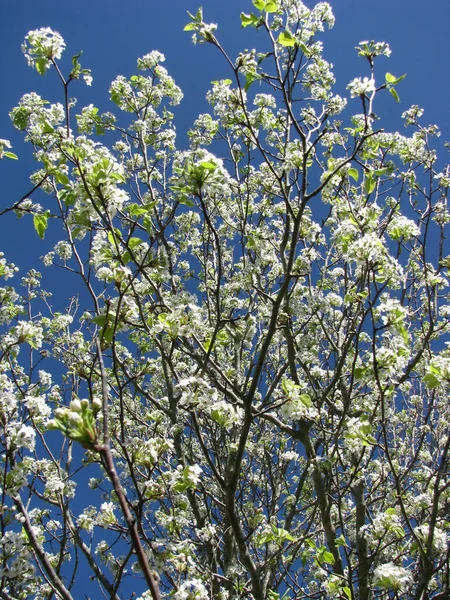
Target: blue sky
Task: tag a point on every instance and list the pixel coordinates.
(114, 33)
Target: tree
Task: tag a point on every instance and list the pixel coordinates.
(254, 376)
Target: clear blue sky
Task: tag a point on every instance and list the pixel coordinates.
(114, 33)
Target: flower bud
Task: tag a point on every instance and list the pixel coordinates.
(75, 419)
(60, 413)
(96, 405)
(75, 405)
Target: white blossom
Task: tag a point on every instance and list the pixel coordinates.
(361, 87)
(391, 576)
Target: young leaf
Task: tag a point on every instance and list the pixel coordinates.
(62, 178)
(340, 541)
(10, 155)
(304, 49)
(250, 19)
(259, 4)
(134, 242)
(370, 184)
(359, 372)
(431, 381)
(306, 400)
(353, 173)
(251, 78)
(218, 416)
(41, 65)
(137, 210)
(224, 81)
(286, 38)
(263, 55)
(271, 6)
(210, 166)
(327, 557)
(76, 57)
(108, 334)
(100, 320)
(390, 78)
(40, 224)
(394, 93)
(186, 201)
(20, 118)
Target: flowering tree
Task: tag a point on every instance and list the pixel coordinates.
(254, 377)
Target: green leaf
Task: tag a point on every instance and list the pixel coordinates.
(41, 65)
(282, 534)
(347, 591)
(259, 4)
(304, 49)
(353, 173)
(137, 210)
(271, 6)
(147, 222)
(359, 372)
(210, 166)
(370, 184)
(48, 128)
(327, 557)
(186, 201)
(108, 334)
(394, 94)
(263, 55)
(224, 81)
(340, 541)
(198, 15)
(251, 78)
(306, 400)
(431, 381)
(353, 221)
(20, 118)
(286, 39)
(32, 343)
(249, 20)
(162, 318)
(100, 320)
(76, 57)
(404, 333)
(219, 417)
(82, 219)
(10, 155)
(197, 18)
(113, 235)
(392, 79)
(62, 178)
(40, 224)
(134, 242)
